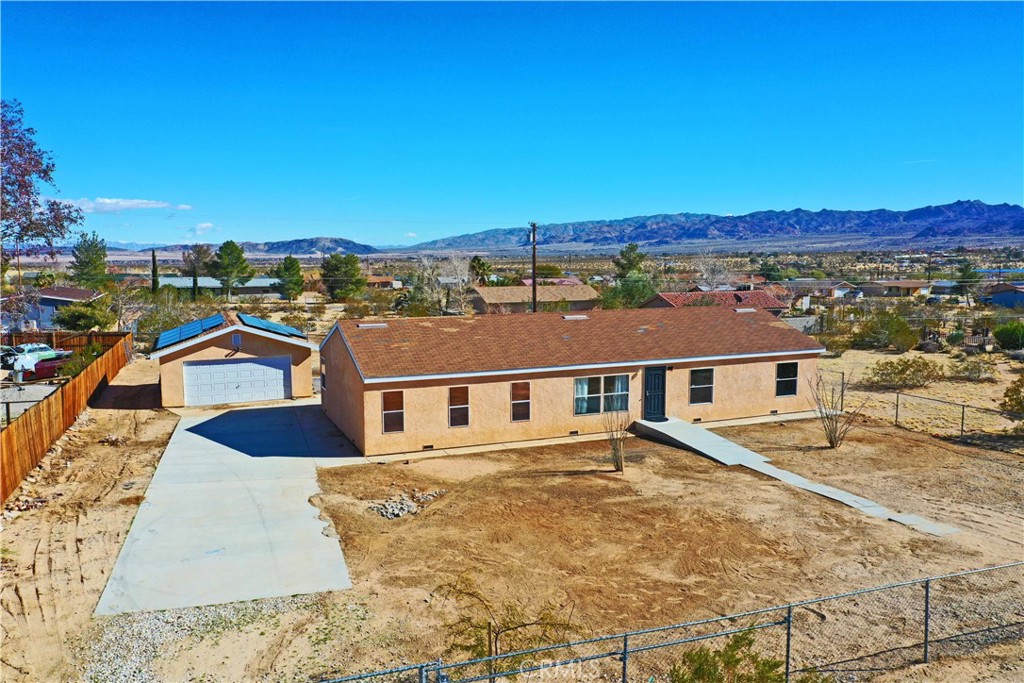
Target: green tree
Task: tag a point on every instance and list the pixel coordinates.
(1013, 399)
(967, 279)
(231, 267)
(342, 276)
(289, 275)
(84, 316)
(818, 275)
(89, 264)
(769, 270)
(629, 260)
(549, 270)
(883, 329)
(197, 259)
(480, 269)
(628, 292)
(154, 274)
(1010, 335)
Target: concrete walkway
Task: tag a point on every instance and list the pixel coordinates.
(693, 437)
(227, 515)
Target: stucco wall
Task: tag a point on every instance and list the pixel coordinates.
(742, 389)
(172, 379)
(341, 395)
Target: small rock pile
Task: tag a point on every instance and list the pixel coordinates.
(113, 440)
(406, 504)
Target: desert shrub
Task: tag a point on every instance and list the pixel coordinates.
(735, 662)
(295, 319)
(836, 344)
(955, 338)
(973, 369)
(252, 305)
(904, 373)
(884, 329)
(81, 360)
(1013, 399)
(1010, 335)
(318, 310)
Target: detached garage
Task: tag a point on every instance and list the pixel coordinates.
(232, 358)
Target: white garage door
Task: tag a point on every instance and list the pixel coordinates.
(210, 382)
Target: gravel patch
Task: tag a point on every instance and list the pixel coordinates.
(128, 643)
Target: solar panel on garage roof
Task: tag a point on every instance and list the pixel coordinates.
(268, 326)
(187, 331)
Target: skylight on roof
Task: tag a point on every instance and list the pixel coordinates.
(575, 317)
(371, 325)
(745, 310)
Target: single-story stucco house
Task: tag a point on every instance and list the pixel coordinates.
(232, 358)
(896, 288)
(747, 298)
(1007, 295)
(519, 298)
(415, 384)
(49, 300)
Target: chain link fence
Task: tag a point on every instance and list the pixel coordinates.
(983, 427)
(845, 638)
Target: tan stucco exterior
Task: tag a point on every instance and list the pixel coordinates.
(218, 347)
(741, 389)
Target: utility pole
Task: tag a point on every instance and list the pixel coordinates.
(533, 240)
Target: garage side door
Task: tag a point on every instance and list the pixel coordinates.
(237, 381)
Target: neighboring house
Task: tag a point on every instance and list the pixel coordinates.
(257, 286)
(232, 358)
(39, 315)
(744, 299)
(417, 384)
(382, 282)
(944, 287)
(896, 288)
(1007, 295)
(552, 281)
(519, 299)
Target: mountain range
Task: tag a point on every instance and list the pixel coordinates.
(962, 222)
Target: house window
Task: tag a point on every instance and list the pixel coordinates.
(702, 386)
(520, 401)
(458, 407)
(785, 379)
(236, 342)
(601, 394)
(393, 407)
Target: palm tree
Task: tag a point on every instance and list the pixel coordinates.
(480, 269)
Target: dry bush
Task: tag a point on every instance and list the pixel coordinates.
(973, 369)
(616, 427)
(829, 402)
(904, 373)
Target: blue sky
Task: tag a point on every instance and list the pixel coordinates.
(396, 123)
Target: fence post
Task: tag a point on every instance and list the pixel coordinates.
(897, 409)
(927, 615)
(789, 638)
(625, 659)
(963, 419)
(7, 409)
(842, 391)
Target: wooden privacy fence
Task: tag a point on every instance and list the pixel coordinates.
(71, 341)
(26, 440)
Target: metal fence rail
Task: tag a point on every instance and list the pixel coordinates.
(849, 637)
(975, 425)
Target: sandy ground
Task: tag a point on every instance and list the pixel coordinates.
(676, 538)
(56, 559)
(927, 416)
(24, 397)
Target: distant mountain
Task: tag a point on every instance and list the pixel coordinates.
(962, 222)
(309, 246)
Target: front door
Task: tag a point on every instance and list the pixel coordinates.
(654, 394)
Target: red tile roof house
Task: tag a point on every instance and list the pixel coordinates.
(744, 299)
(418, 384)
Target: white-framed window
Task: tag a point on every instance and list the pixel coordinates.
(458, 406)
(520, 393)
(393, 411)
(608, 394)
(702, 386)
(786, 375)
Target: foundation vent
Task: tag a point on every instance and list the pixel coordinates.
(574, 432)
(429, 447)
(775, 412)
(696, 419)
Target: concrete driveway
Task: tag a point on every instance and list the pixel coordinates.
(227, 515)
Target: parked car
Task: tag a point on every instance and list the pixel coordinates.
(35, 352)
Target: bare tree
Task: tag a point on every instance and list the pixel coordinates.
(829, 402)
(443, 284)
(713, 270)
(616, 427)
(127, 302)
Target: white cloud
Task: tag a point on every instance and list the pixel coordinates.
(410, 234)
(199, 229)
(115, 205)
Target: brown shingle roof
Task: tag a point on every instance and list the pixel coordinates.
(68, 293)
(500, 343)
(545, 293)
(755, 298)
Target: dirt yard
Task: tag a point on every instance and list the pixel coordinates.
(56, 558)
(676, 538)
